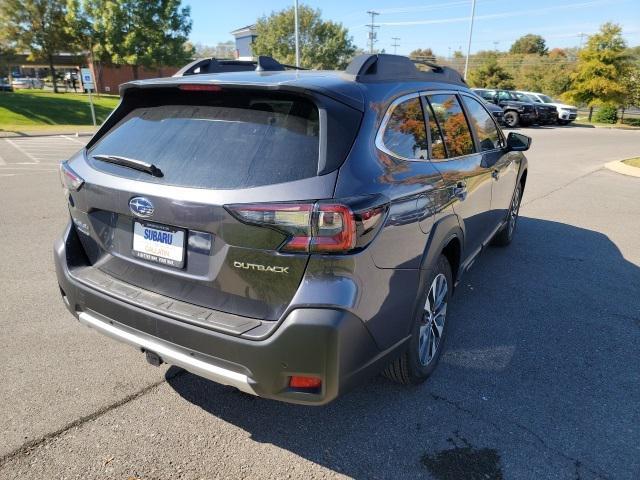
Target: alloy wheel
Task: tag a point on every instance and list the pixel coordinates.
(514, 210)
(434, 316)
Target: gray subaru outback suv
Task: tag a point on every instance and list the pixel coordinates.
(288, 233)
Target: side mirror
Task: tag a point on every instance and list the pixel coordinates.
(516, 142)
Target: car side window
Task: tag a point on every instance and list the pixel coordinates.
(405, 134)
(488, 94)
(483, 124)
(453, 124)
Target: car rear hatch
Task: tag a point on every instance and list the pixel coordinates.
(171, 188)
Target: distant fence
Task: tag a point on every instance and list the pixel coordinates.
(632, 112)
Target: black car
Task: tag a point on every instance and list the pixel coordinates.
(287, 233)
(516, 112)
(545, 114)
(496, 111)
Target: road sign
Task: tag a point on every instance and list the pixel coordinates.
(88, 84)
(87, 79)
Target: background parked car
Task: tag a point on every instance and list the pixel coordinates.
(566, 113)
(5, 86)
(27, 82)
(545, 114)
(496, 111)
(516, 113)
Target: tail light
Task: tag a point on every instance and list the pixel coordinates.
(71, 181)
(314, 227)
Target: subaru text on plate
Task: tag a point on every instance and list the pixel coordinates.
(288, 233)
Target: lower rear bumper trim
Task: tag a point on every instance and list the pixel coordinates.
(169, 355)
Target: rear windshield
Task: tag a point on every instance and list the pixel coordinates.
(232, 141)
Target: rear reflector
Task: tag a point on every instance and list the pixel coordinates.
(307, 383)
(200, 88)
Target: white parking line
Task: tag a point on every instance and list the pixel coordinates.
(71, 139)
(2, 162)
(22, 150)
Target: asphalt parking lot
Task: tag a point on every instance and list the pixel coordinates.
(540, 379)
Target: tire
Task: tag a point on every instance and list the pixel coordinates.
(563, 122)
(505, 234)
(511, 119)
(420, 359)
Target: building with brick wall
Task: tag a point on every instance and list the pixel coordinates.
(109, 77)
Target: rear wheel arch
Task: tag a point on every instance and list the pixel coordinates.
(446, 238)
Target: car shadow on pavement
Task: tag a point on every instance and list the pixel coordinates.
(539, 377)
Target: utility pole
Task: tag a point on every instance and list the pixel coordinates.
(466, 62)
(297, 34)
(372, 32)
(395, 44)
(581, 35)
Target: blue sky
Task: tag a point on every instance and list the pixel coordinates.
(439, 24)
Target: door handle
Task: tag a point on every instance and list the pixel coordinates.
(460, 190)
(495, 174)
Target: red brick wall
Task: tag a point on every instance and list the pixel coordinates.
(109, 77)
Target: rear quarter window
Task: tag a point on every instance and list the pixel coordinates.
(405, 134)
(232, 141)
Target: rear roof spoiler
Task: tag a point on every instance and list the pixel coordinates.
(214, 65)
(369, 68)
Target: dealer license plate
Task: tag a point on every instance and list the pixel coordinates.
(159, 243)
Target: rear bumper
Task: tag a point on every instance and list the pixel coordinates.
(331, 344)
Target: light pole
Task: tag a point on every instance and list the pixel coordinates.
(466, 62)
(297, 33)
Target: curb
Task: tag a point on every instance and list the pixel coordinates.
(619, 167)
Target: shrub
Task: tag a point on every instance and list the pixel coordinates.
(607, 114)
(635, 122)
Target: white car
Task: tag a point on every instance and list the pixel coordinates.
(27, 82)
(566, 113)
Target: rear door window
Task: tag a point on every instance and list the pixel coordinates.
(453, 124)
(483, 124)
(233, 141)
(405, 134)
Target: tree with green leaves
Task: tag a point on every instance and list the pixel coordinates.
(323, 44)
(7, 56)
(491, 75)
(602, 70)
(529, 44)
(37, 26)
(136, 32)
(422, 53)
(633, 78)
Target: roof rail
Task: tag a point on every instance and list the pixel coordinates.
(214, 65)
(370, 68)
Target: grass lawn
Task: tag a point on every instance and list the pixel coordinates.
(585, 122)
(634, 162)
(35, 110)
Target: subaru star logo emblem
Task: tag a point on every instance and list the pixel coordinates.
(141, 207)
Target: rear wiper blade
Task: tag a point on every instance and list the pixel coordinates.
(139, 165)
